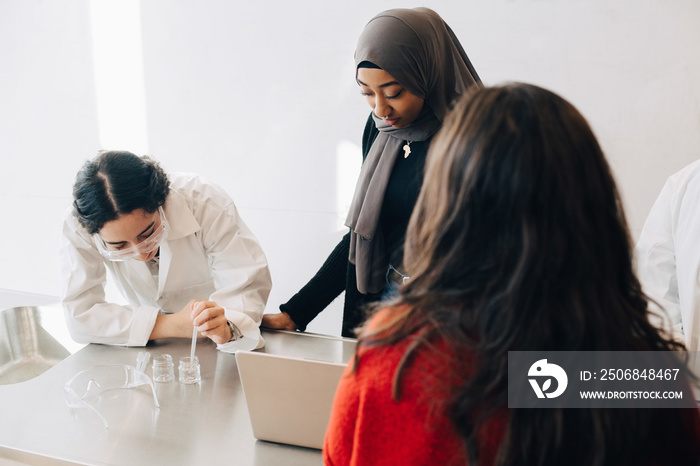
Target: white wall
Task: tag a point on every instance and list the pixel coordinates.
(260, 97)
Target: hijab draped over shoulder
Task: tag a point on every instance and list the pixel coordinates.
(421, 52)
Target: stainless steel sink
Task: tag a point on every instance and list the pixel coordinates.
(29, 342)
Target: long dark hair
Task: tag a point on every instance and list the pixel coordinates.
(116, 183)
(519, 242)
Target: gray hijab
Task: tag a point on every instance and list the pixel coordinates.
(421, 52)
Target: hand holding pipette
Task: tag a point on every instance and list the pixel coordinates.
(210, 321)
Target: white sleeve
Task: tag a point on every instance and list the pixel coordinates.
(89, 317)
(241, 274)
(656, 263)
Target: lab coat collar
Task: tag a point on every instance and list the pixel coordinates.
(180, 217)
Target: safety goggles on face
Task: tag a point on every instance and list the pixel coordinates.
(147, 246)
(85, 388)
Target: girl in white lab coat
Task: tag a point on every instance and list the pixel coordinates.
(177, 249)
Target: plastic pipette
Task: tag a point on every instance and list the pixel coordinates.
(194, 344)
(194, 339)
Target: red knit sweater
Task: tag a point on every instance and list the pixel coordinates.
(368, 426)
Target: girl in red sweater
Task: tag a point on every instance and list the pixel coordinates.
(518, 242)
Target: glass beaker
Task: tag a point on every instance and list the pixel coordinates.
(189, 370)
(163, 368)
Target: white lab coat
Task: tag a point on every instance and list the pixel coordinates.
(668, 255)
(209, 254)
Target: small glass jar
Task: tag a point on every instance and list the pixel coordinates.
(189, 370)
(163, 368)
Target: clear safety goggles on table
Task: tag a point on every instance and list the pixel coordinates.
(88, 385)
(147, 246)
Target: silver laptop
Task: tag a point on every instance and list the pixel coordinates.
(289, 399)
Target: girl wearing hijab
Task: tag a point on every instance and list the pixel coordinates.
(518, 242)
(410, 67)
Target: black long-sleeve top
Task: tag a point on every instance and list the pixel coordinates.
(337, 274)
